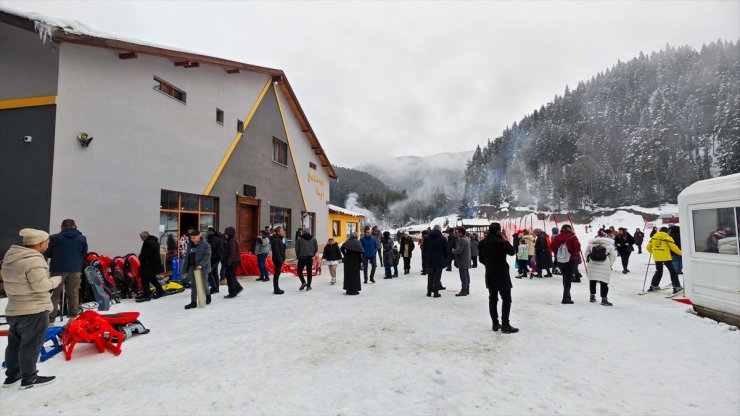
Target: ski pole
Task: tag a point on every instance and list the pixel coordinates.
(647, 269)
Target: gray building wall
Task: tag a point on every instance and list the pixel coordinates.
(314, 182)
(251, 163)
(25, 171)
(144, 141)
(28, 67)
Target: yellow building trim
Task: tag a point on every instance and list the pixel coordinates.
(290, 146)
(237, 138)
(28, 102)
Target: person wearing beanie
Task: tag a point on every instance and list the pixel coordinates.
(492, 251)
(197, 257)
(27, 284)
(67, 251)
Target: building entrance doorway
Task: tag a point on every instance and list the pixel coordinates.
(188, 221)
(247, 218)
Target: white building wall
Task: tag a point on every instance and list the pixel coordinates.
(314, 183)
(144, 141)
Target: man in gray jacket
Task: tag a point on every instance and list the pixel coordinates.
(27, 283)
(306, 248)
(461, 251)
(198, 257)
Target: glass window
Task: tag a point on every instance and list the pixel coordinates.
(168, 200)
(166, 88)
(351, 228)
(189, 202)
(336, 227)
(715, 230)
(279, 151)
(167, 224)
(280, 217)
(207, 204)
(207, 220)
(308, 222)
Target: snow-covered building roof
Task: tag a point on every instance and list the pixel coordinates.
(340, 210)
(71, 31)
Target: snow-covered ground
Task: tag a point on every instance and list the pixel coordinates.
(392, 350)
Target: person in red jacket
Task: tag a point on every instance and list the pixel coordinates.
(568, 238)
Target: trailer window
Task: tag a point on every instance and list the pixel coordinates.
(715, 230)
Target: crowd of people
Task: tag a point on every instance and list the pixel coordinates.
(34, 286)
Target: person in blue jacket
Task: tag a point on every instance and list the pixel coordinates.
(67, 251)
(370, 247)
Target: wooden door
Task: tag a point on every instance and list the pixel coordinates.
(246, 227)
(247, 222)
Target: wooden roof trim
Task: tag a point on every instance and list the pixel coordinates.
(288, 92)
(59, 36)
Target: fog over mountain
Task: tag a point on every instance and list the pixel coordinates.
(421, 176)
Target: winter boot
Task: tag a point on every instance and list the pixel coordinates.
(303, 286)
(653, 288)
(437, 295)
(605, 302)
(508, 329)
(592, 299)
(496, 326)
(191, 305)
(677, 289)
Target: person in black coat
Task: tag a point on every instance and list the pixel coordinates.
(218, 246)
(332, 256)
(407, 248)
(451, 243)
(352, 250)
(624, 242)
(277, 244)
(435, 249)
(232, 260)
(151, 263)
(492, 251)
(639, 237)
(542, 254)
(422, 241)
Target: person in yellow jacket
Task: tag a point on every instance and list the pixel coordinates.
(661, 246)
(28, 285)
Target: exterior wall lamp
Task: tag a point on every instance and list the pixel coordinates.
(84, 139)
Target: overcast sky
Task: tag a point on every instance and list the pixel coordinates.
(382, 78)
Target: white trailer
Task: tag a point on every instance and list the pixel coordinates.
(710, 219)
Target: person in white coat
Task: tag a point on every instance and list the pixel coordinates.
(600, 255)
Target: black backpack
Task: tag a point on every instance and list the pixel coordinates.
(598, 253)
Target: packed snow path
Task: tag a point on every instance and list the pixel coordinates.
(392, 350)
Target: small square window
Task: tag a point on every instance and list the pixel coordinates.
(219, 116)
(239, 126)
(312, 165)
